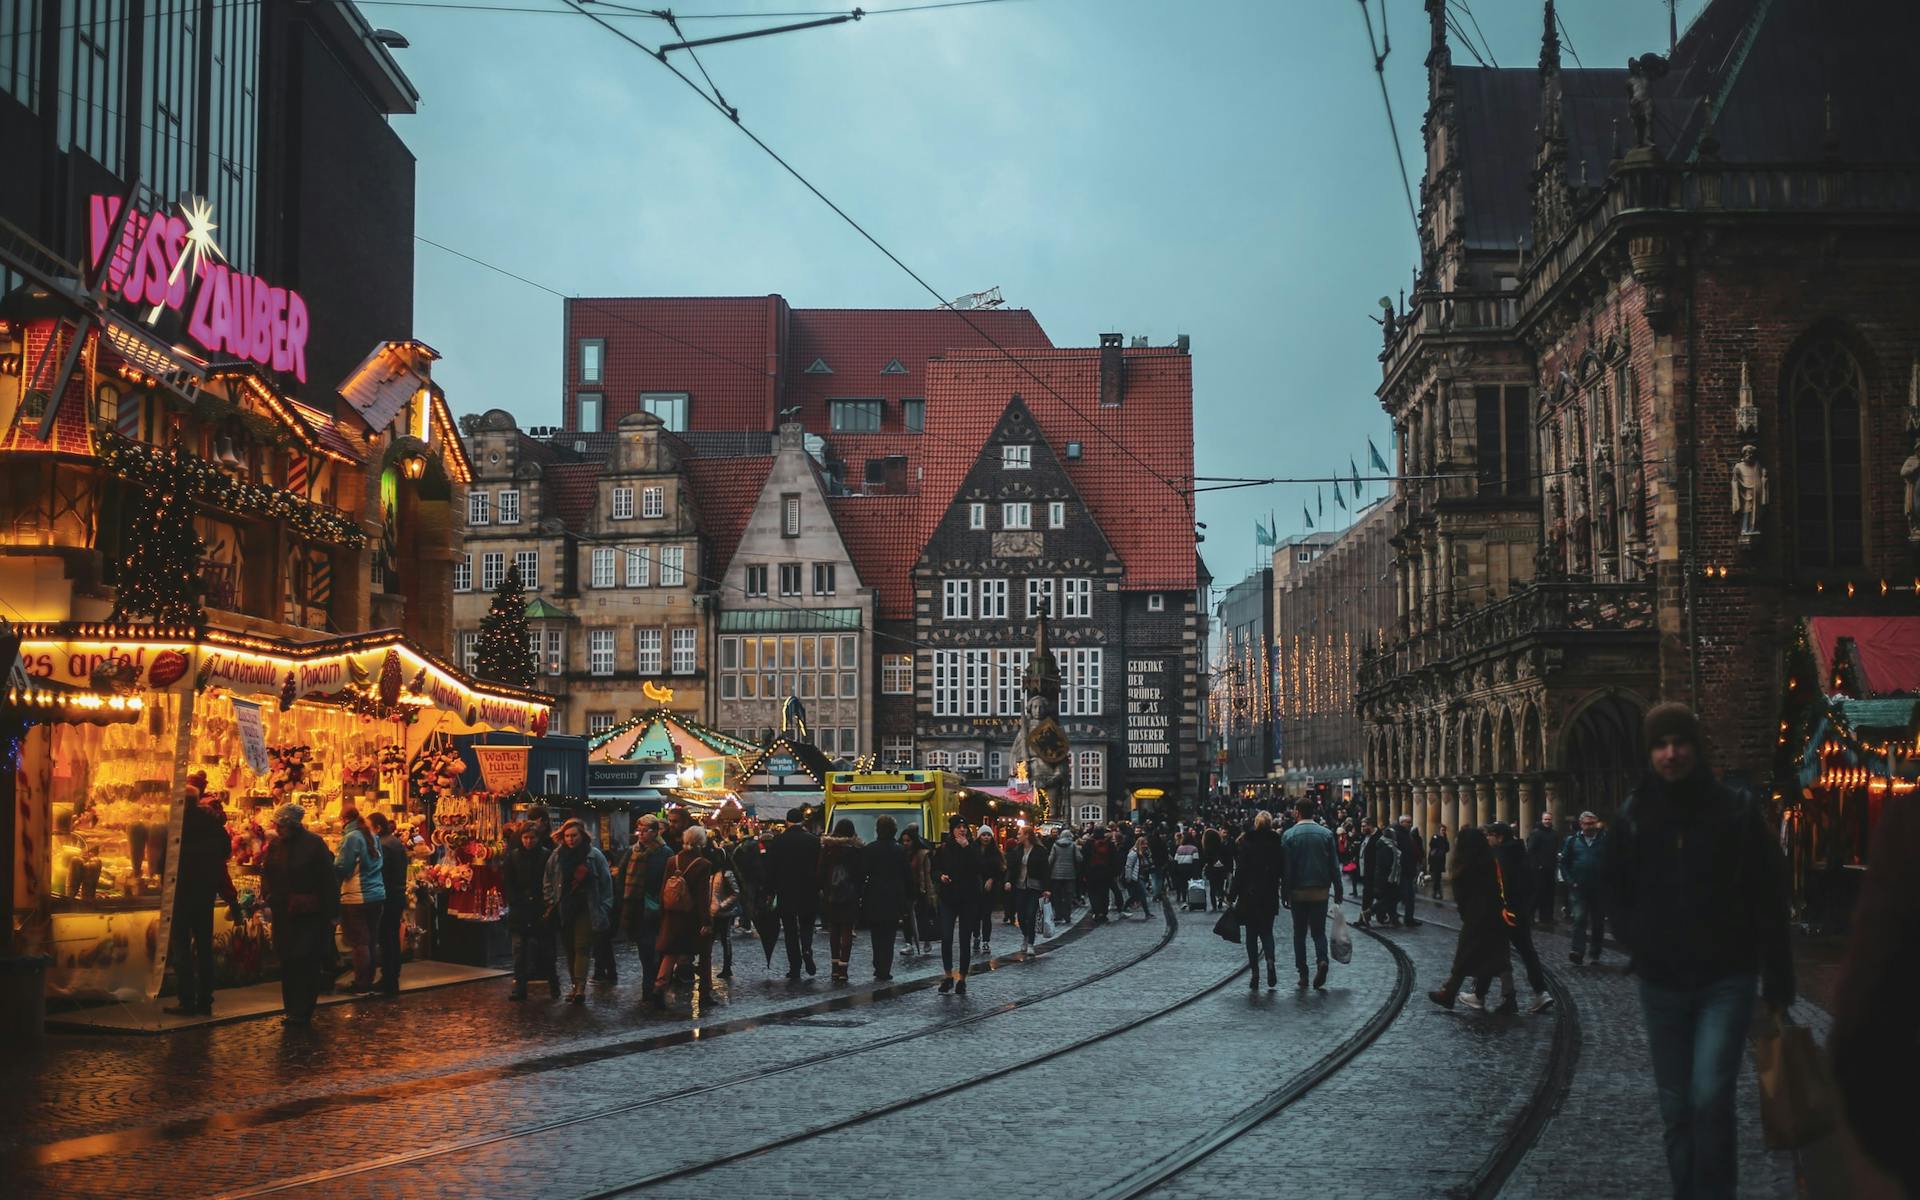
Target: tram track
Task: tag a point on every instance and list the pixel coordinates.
(1351, 1046)
(466, 1145)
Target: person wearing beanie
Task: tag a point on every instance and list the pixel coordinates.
(956, 868)
(302, 894)
(1699, 892)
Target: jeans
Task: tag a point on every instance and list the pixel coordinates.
(1409, 888)
(531, 949)
(1545, 888)
(1520, 936)
(1137, 890)
(360, 926)
(191, 950)
(882, 930)
(300, 943)
(840, 945)
(797, 928)
(391, 917)
(1062, 903)
(1696, 1036)
(576, 940)
(1588, 912)
(1026, 904)
(956, 914)
(646, 942)
(1309, 916)
(1258, 932)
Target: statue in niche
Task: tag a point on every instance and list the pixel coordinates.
(1910, 472)
(1749, 491)
(1633, 496)
(1552, 560)
(1603, 499)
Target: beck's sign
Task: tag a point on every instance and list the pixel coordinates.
(163, 259)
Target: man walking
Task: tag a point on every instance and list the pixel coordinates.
(1701, 902)
(956, 869)
(1310, 869)
(646, 875)
(301, 894)
(1583, 861)
(393, 876)
(1516, 877)
(1063, 871)
(886, 894)
(1406, 839)
(1437, 849)
(793, 859)
(201, 876)
(1543, 859)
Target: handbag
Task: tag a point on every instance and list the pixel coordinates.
(1339, 941)
(1228, 926)
(1797, 1104)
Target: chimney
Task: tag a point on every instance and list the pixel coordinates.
(1113, 369)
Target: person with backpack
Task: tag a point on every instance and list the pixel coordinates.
(1101, 869)
(686, 916)
(840, 882)
(646, 875)
(1063, 875)
(956, 867)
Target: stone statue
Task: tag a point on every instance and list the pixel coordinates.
(1603, 499)
(1910, 472)
(1641, 72)
(1749, 490)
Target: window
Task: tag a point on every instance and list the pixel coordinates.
(977, 683)
(551, 781)
(653, 502)
(479, 508)
(1039, 598)
(1303, 556)
(493, 569)
(913, 415)
(823, 579)
(1011, 666)
(757, 581)
(1056, 514)
(1089, 770)
(848, 743)
(996, 764)
(896, 674)
(956, 599)
(623, 504)
(556, 652)
(1824, 397)
(854, 416)
(1080, 681)
(1016, 458)
(1076, 598)
(670, 407)
(683, 653)
(1503, 431)
(673, 566)
(463, 574)
(789, 579)
(1091, 813)
(1073, 450)
(602, 567)
(593, 355)
(1156, 602)
(896, 750)
(639, 565)
(946, 685)
(976, 516)
(510, 506)
(646, 646)
(589, 412)
(527, 562)
(600, 651)
(790, 515)
(1017, 515)
(598, 723)
(470, 650)
(939, 760)
(968, 760)
(824, 739)
(993, 599)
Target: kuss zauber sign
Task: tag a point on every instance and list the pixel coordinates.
(161, 258)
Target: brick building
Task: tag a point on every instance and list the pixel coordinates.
(1242, 683)
(1627, 277)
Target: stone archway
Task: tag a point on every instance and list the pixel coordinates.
(1600, 755)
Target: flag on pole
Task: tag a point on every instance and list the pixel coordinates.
(1262, 536)
(1373, 456)
(1320, 498)
(1339, 497)
(1356, 476)
(1306, 516)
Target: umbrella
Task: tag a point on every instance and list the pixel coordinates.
(767, 923)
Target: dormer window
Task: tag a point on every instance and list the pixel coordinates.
(819, 367)
(1016, 458)
(893, 367)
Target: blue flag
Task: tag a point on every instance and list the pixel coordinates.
(1373, 455)
(1356, 476)
(1306, 516)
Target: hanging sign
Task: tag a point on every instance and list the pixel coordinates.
(781, 764)
(502, 768)
(253, 734)
(713, 772)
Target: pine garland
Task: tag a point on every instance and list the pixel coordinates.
(501, 653)
(142, 464)
(160, 573)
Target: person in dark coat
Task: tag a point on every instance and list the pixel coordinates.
(524, 882)
(393, 873)
(302, 897)
(956, 871)
(793, 864)
(1438, 846)
(201, 876)
(1256, 895)
(1027, 880)
(1697, 888)
(646, 873)
(886, 892)
(1543, 859)
(686, 935)
(1516, 882)
(839, 883)
(993, 869)
(1481, 952)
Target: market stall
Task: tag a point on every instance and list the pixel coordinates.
(360, 720)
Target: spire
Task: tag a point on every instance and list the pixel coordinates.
(1439, 56)
(1550, 75)
(1550, 42)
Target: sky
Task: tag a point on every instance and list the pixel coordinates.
(1218, 168)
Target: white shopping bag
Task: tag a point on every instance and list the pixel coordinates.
(1340, 941)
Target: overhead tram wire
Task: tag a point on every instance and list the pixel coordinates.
(1568, 39)
(1393, 127)
(1185, 497)
(1485, 46)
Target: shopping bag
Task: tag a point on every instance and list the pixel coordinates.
(1228, 926)
(1797, 1104)
(1339, 941)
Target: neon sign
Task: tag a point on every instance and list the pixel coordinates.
(160, 259)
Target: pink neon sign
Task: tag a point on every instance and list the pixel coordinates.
(157, 262)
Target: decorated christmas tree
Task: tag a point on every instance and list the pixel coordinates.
(160, 572)
(501, 653)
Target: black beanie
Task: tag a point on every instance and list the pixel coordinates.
(1672, 719)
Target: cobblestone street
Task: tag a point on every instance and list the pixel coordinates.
(1138, 1042)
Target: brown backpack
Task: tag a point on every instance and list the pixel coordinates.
(675, 895)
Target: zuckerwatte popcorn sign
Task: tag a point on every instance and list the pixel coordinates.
(171, 261)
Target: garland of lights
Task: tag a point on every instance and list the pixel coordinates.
(160, 571)
(140, 463)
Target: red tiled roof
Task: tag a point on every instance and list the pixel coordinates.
(725, 489)
(859, 343)
(570, 490)
(881, 534)
(723, 351)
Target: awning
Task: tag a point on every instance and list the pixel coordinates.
(1885, 649)
(789, 620)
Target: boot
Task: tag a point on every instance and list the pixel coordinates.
(1273, 980)
(519, 992)
(811, 969)
(946, 983)
(1302, 985)
(960, 986)
(1320, 974)
(1508, 1005)
(1443, 996)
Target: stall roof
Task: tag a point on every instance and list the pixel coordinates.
(649, 734)
(1886, 649)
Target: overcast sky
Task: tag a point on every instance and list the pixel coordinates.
(1219, 168)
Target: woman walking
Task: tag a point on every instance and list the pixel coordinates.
(1256, 896)
(1027, 884)
(579, 895)
(1219, 865)
(839, 874)
(993, 869)
(922, 931)
(526, 877)
(1063, 876)
(1437, 850)
(1481, 952)
(686, 915)
(1139, 867)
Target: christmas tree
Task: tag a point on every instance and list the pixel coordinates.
(501, 653)
(160, 573)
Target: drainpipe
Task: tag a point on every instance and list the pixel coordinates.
(1691, 560)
